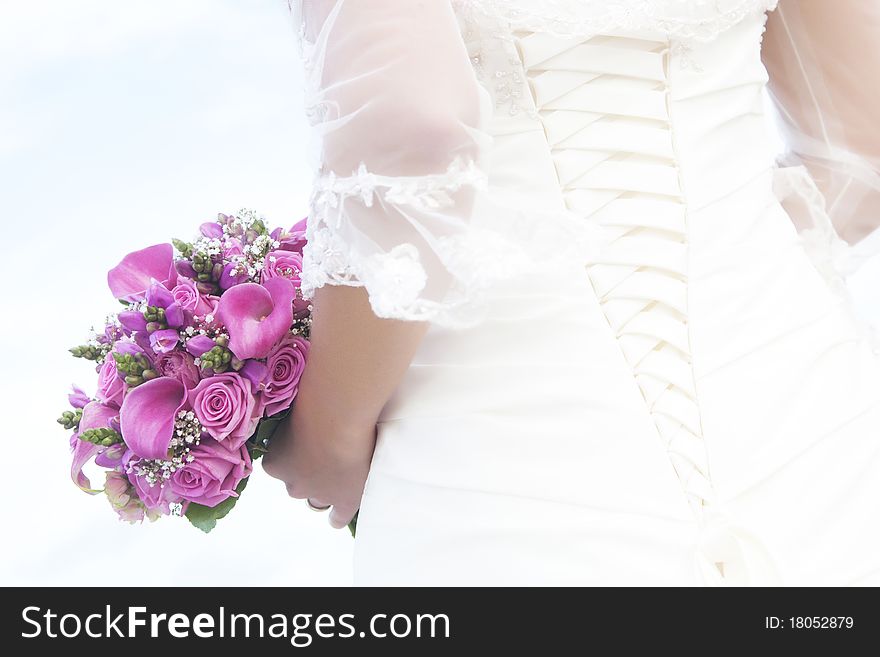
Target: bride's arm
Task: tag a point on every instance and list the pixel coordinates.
(393, 97)
(824, 63)
(355, 362)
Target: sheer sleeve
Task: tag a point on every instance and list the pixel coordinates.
(823, 58)
(398, 115)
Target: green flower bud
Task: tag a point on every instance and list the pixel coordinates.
(218, 358)
(105, 437)
(183, 248)
(202, 263)
(155, 318)
(70, 419)
(90, 352)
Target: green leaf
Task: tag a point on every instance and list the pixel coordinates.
(206, 517)
(353, 525)
(258, 444)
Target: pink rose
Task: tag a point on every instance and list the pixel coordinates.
(179, 365)
(285, 363)
(226, 407)
(213, 303)
(214, 473)
(187, 296)
(110, 384)
(286, 264)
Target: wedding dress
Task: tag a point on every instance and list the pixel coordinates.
(642, 367)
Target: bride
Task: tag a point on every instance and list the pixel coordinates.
(573, 322)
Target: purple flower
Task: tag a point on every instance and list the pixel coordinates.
(110, 385)
(130, 279)
(211, 229)
(179, 365)
(214, 473)
(286, 363)
(185, 269)
(255, 372)
(132, 320)
(286, 264)
(257, 316)
(142, 341)
(147, 416)
(111, 334)
(228, 279)
(77, 398)
(124, 499)
(160, 297)
(95, 416)
(232, 248)
(226, 407)
(123, 347)
(164, 341)
(295, 239)
(199, 344)
(156, 498)
(114, 456)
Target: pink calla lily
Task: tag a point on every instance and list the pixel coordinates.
(131, 278)
(257, 316)
(95, 416)
(147, 416)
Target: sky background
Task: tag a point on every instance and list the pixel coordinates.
(124, 123)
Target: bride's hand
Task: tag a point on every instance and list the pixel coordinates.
(323, 450)
(326, 470)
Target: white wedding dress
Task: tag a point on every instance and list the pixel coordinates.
(642, 366)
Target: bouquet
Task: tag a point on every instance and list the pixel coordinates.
(195, 372)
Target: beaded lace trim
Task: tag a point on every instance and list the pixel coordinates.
(683, 20)
(394, 278)
(423, 192)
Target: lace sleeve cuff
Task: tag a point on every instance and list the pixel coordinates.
(347, 244)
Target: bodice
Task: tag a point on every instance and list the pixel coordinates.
(616, 118)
